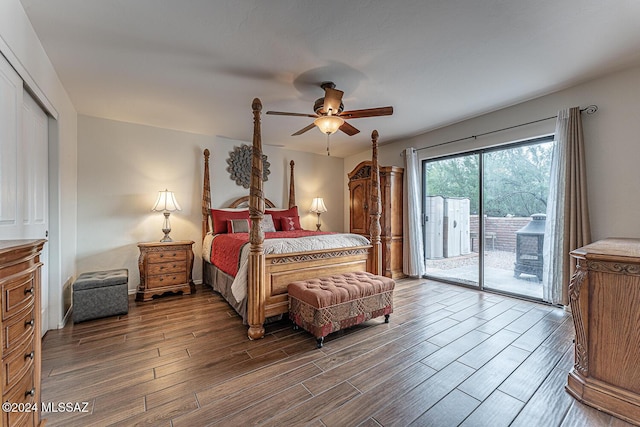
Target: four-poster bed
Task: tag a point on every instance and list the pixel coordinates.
(268, 271)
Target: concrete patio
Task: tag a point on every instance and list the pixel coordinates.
(498, 273)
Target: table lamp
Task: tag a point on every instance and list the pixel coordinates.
(166, 203)
(318, 207)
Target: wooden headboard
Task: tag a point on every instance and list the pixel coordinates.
(241, 202)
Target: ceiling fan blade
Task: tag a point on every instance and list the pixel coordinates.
(332, 100)
(368, 112)
(282, 113)
(348, 129)
(304, 129)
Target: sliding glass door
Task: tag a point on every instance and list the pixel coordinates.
(450, 218)
(516, 187)
(484, 217)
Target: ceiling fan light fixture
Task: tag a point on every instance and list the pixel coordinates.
(328, 124)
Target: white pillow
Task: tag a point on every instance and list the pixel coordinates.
(267, 224)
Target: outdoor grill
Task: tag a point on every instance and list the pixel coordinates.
(529, 242)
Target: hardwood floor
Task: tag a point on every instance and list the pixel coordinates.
(450, 356)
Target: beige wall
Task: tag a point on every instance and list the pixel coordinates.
(612, 138)
(122, 166)
(101, 195)
(20, 45)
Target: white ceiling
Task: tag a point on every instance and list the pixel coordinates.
(196, 65)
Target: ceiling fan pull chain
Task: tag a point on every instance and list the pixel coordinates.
(328, 152)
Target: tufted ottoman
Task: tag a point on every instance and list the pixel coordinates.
(327, 304)
(100, 294)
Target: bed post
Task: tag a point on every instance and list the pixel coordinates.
(206, 195)
(292, 187)
(376, 208)
(256, 292)
(206, 208)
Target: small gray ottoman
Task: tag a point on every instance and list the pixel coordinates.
(100, 294)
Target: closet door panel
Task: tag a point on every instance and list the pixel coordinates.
(10, 134)
(35, 171)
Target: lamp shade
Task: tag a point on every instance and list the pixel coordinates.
(328, 124)
(166, 202)
(318, 206)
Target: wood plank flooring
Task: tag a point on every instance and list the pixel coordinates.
(450, 356)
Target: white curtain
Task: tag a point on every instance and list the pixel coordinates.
(567, 225)
(412, 246)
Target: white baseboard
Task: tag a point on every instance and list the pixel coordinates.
(65, 318)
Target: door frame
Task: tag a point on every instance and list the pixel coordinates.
(481, 225)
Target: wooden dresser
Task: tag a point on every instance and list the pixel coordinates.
(605, 302)
(165, 267)
(391, 216)
(20, 332)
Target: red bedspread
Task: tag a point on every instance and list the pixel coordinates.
(225, 251)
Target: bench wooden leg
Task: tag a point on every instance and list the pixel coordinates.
(319, 342)
(386, 318)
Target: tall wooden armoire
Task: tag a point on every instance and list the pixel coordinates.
(391, 216)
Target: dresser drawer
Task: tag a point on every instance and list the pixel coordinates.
(17, 294)
(20, 394)
(166, 267)
(17, 329)
(166, 280)
(17, 363)
(164, 256)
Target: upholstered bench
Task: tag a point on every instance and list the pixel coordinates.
(100, 294)
(327, 304)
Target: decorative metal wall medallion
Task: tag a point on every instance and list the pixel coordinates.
(239, 168)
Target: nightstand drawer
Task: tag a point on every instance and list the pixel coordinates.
(167, 267)
(17, 293)
(15, 366)
(17, 329)
(165, 256)
(167, 280)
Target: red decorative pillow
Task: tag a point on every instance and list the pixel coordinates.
(238, 225)
(276, 214)
(290, 223)
(220, 217)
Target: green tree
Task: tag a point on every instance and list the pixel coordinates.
(455, 177)
(516, 180)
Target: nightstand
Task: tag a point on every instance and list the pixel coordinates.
(165, 267)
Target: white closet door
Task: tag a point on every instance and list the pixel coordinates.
(10, 136)
(35, 170)
(35, 178)
(24, 172)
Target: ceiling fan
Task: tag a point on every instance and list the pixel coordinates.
(330, 115)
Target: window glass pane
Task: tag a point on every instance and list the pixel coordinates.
(516, 186)
(450, 205)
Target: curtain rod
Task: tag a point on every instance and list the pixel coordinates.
(589, 110)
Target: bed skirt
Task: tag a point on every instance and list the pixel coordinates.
(221, 282)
